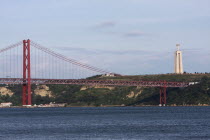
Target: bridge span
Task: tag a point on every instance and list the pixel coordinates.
(34, 64)
(95, 82)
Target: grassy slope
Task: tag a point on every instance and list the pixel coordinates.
(167, 77)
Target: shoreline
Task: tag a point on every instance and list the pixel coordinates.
(108, 106)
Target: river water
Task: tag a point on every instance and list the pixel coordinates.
(105, 123)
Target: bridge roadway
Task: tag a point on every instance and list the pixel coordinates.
(96, 82)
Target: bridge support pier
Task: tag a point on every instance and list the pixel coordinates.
(163, 96)
(26, 93)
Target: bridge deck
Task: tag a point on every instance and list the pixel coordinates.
(96, 82)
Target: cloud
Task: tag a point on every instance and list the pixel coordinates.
(107, 28)
(106, 24)
(134, 34)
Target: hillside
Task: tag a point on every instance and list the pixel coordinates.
(158, 77)
(76, 95)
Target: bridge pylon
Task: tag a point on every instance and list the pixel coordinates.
(163, 95)
(26, 93)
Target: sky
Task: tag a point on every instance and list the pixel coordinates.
(128, 37)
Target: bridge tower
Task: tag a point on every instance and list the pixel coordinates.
(163, 95)
(26, 93)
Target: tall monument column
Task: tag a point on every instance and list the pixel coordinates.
(178, 66)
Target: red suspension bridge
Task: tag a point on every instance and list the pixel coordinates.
(34, 64)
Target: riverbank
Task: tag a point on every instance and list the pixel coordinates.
(103, 106)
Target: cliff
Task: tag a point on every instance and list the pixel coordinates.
(43, 90)
(5, 91)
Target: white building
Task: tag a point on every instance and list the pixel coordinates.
(6, 104)
(178, 65)
(109, 75)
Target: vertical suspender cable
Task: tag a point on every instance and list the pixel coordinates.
(10, 64)
(43, 63)
(4, 62)
(35, 63)
(63, 70)
(56, 68)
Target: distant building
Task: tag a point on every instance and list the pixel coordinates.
(193, 83)
(111, 75)
(178, 65)
(52, 105)
(6, 104)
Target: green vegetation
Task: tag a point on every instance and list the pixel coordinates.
(160, 77)
(98, 96)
